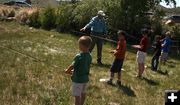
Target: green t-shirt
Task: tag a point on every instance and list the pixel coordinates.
(81, 65)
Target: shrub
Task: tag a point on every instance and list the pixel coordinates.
(11, 13)
(48, 18)
(1, 15)
(34, 19)
(86, 10)
(176, 30)
(5, 12)
(65, 17)
(120, 14)
(22, 17)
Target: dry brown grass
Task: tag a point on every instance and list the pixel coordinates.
(23, 15)
(7, 11)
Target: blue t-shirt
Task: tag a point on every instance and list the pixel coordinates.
(166, 43)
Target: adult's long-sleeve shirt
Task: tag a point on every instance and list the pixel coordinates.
(97, 25)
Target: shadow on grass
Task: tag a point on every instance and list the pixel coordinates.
(162, 72)
(92, 88)
(104, 65)
(150, 81)
(171, 62)
(171, 65)
(127, 90)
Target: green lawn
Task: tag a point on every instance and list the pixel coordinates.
(24, 81)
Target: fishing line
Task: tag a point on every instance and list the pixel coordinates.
(28, 56)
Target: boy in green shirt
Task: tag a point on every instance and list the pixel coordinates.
(80, 70)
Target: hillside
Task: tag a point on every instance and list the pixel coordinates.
(175, 11)
(170, 11)
(24, 80)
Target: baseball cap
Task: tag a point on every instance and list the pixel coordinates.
(168, 33)
(100, 12)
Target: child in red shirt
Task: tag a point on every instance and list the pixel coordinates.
(141, 54)
(119, 54)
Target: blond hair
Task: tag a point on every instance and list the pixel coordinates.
(85, 41)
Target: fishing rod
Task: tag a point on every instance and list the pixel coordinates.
(103, 38)
(106, 39)
(99, 37)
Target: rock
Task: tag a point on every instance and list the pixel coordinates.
(52, 36)
(113, 103)
(30, 28)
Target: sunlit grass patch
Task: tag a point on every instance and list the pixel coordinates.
(24, 81)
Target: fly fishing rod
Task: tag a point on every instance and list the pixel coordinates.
(99, 37)
(103, 38)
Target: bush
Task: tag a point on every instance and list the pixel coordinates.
(65, 18)
(5, 12)
(22, 17)
(176, 30)
(48, 19)
(11, 13)
(85, 10)
(120, 14)
(34, 19)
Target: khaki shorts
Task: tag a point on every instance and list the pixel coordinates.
(78, 88)
(141, 56)
(164, 56)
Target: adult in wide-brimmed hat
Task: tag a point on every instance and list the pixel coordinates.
(98, 28)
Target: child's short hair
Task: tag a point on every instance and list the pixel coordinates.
(144, 31)
(121, 32)
(158, 37)
(85, 41)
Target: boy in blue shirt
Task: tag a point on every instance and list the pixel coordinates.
(165, 48)
(80, 74)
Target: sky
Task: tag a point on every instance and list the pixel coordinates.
(171, 6)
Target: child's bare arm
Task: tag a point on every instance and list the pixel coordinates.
(136, 46)
(113, 51)
(162, 45)
(69, 69)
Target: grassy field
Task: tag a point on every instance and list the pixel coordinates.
(24, 81)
